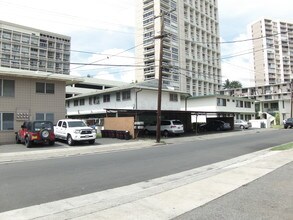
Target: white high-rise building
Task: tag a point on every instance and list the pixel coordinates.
(32, 49)
(191, 49)
(272, 51)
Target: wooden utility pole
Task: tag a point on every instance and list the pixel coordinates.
(161, 38)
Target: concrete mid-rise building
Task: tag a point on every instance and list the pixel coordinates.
(272, 51)
(32, 49)
(269, 100)
(191, 49)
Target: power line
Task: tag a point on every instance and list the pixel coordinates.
(108, 57)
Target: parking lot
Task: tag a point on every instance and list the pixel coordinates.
(7, 148)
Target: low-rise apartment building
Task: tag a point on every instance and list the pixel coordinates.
(270, 99)
(213, 105)
(26, 95)
(140, 96)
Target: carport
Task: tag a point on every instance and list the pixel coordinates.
(149, 116)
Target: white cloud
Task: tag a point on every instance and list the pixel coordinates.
(67, 16)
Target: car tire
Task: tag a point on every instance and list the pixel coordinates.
(17, 140)
(165, 133)
(70, 141)
(92, 141)
(146, 132)
(241, 127)
(45, 134)
(27, 142)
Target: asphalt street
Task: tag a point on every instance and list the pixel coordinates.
(267, 197)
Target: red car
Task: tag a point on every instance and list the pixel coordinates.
(38, 132)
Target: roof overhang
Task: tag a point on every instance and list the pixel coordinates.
(39, 75)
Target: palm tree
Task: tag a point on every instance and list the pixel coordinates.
(231, 84)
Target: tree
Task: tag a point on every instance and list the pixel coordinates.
(231, 84)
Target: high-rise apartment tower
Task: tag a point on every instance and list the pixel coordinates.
(272, 51)
(191, 49)
(32, 49)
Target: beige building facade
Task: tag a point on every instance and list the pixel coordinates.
(25, 95)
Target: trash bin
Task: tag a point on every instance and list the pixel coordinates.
(127, 135)
(112, 133)
(104, 133)
(120, 135)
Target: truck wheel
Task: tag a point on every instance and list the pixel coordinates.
(27, 142)
(70, 141)
(91, 141)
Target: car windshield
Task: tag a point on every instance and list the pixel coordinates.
(38, 125)
(76, 124)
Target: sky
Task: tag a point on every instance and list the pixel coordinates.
(102, 32)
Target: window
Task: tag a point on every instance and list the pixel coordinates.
(173, 97)
(81, 102)
(40, 87)
(45, 117)
(239, 104)
(48, 88)
(126, 95)
(6, 121)
(90, 100)
(247, 104)
(75, 102)
(7, 88)
(118, 96)
(221, 102)
(106, 98)
(96, 100)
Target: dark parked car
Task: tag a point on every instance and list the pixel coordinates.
(288, 123)
(215, 125)
(36, 132)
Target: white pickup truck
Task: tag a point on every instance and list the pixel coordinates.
(74, 130)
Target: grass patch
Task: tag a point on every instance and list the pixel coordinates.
(277, 126)
(99, 135)
(284, 147)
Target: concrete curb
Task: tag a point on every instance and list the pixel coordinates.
(68, 152)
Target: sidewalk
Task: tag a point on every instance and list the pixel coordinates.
(166, 197)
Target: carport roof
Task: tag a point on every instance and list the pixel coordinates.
(137, 111)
